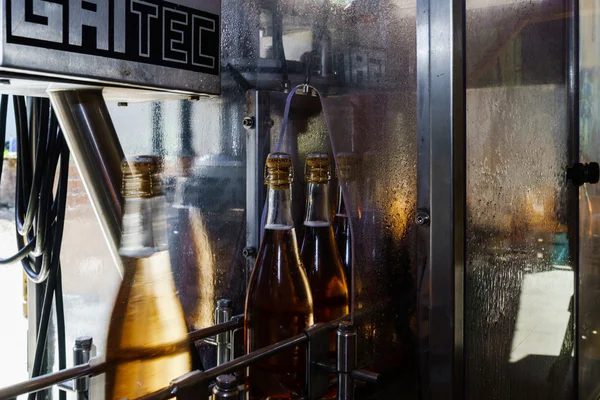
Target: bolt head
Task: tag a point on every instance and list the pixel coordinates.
(248, 122)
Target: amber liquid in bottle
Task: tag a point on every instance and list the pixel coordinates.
(146, 343)
(319, 253)
(347, 163)
(343, 237)
(278, 302)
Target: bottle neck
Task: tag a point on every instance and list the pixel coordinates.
(318, 208)
(144, 226)
(279, 208)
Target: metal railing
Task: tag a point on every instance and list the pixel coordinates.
(96, 366)
(315, 337)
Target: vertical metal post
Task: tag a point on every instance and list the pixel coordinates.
(257, 148)
(223, 313)
(346, 360)
(572, 190)
(441, 102)
(81, 355)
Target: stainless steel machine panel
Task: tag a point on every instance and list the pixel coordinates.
(172, 45)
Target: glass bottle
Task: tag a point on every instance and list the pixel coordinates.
(347, 165)
(319, 252)
(147, 344)
(278, 301)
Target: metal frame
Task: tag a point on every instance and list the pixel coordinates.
(573, 191)
(442, 189)
(258, 128)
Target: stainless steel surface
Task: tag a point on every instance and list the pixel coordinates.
(223, 313)
(45, 381)
(91, 136)
(184, 57)
(81, 355)
(441, 91)
(346, 360)
(587, 338)
(257, 139)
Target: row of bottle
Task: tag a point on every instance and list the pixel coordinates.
(290, 289)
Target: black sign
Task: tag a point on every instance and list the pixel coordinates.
(148, 31)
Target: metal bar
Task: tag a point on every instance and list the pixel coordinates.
(423, 192)
(236, 322)
(91, 136)
(257, 145)
(49, 380)
(443, 78)
(574, 157)
(45, 381)
(196, 377)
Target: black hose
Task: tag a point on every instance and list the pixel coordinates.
(39, 212)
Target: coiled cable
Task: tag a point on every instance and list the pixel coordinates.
(40, 203)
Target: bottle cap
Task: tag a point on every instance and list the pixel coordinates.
(347, 165)
(318, 168)
(140, 176)
(278, 169)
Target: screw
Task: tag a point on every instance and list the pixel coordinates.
(122, 104)
(422, 218)
(269, 123)
(249, 252)
(248, 122)
(194, 98)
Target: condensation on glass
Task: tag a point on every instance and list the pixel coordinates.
(361, 55)
(589, 202)
(519, 274)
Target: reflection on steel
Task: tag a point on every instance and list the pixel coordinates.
(81, 355)
(45, 381)
(441, 99)
(223, 314)
(346, 360)
(91, 136)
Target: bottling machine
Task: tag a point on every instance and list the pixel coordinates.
(472, 211)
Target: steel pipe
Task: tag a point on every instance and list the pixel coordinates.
(93, 141)
(235, 323)
(196, 377)
(93, 367)
(223, 314)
